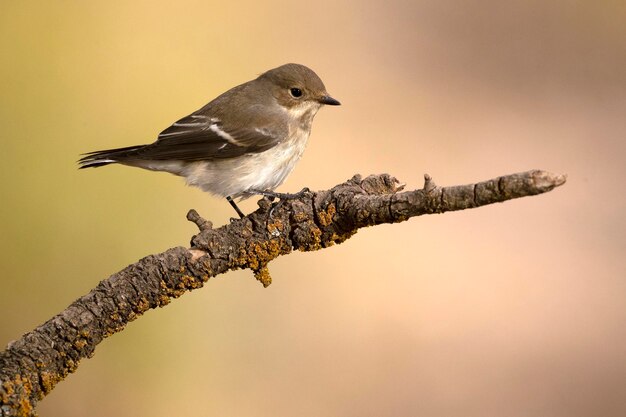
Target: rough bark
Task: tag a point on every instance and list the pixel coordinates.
(31, 366)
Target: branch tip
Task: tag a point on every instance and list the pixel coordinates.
(202, 223)
(548, 180)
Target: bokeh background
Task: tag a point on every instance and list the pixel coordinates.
(515, 309)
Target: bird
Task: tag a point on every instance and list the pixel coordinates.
(244, 142)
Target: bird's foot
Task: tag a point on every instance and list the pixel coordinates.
(282, 197)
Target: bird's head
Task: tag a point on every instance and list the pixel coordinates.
(297, 88)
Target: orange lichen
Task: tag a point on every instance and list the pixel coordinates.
(258, 254)
(335, 238)
(21, 406)
(263, 275)
(142, 305)
(80, 343)
(48, 380)
(164, 300)
(326, 216)
(300, 216)
(275, 227)
(314, 239)
(190, 283)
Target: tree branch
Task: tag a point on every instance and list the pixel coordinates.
(31, 366)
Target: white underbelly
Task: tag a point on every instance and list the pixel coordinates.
(234, 176)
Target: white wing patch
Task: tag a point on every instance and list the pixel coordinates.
(189, 124)
(200, 122)
(224, 135)
(196, 123)
(180, 132)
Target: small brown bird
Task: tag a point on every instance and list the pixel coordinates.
(244, 142)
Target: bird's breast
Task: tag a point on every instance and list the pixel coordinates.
(260, 171)
(274, 165)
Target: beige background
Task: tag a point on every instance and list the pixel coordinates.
(509, 310)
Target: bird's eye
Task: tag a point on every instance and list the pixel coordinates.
(295, 92)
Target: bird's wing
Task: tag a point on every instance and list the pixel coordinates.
(200, 137)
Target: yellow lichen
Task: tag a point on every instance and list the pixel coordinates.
(300, 216)
(314, 242)
(263, 275)
(48, 381)
(335, 238)
(275, 226)
(23, 388)
(142, 305)
(326, 216)
(189, 282)
(163, 300)
(70, 365)
(257, 254)
(80, 343)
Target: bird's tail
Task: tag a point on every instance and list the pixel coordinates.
(109, 156)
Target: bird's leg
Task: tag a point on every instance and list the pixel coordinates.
(232, 203)
(281, 196)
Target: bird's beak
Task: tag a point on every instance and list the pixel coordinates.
(329, 100)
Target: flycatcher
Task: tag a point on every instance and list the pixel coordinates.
(244, 142)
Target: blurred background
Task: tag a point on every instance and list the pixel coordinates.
(514, 309)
